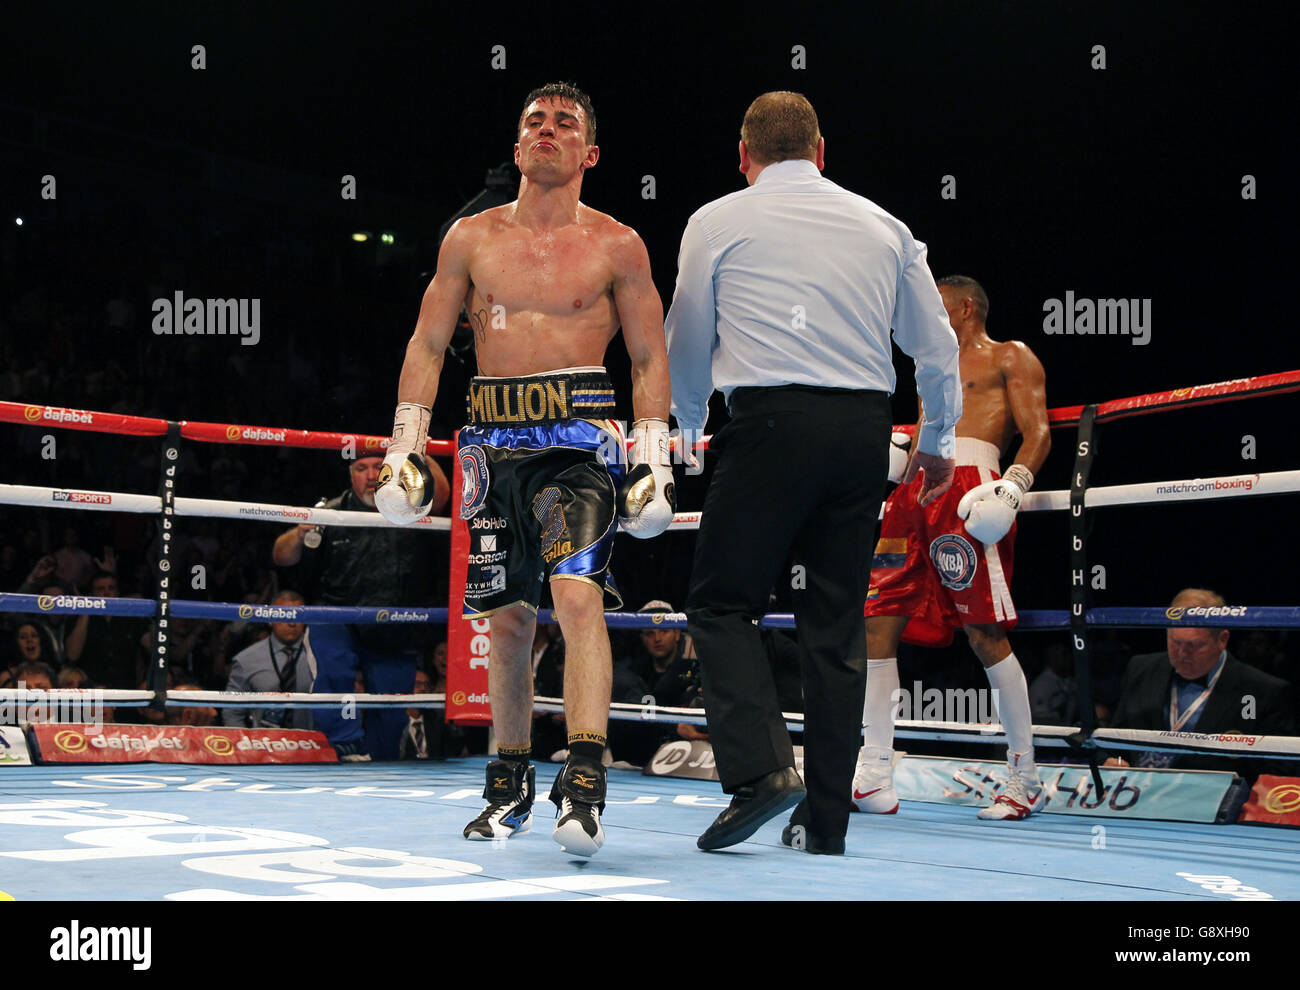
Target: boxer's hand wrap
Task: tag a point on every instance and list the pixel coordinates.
(1021, 476)
(898, 453)
(648, 497)
(410, 428)
(406, 486)
(990, 509)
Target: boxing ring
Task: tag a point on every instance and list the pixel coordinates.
(388, 831)
(392, 832)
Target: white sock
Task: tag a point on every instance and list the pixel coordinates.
(878, 709)
(1008, 679)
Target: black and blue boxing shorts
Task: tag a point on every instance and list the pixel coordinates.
(540, 467)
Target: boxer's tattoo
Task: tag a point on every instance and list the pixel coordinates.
(480, 321)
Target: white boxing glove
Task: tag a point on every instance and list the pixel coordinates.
(898, 454)
(405, 491)
(647, 497)
(406, 486)
(990, 509)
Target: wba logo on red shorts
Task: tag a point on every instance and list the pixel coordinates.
(955, 560)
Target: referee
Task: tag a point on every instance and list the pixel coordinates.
(786, 293)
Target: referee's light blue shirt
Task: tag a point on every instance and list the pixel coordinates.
(795, 281)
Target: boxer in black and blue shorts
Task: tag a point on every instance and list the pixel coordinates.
(541, 465)
(546, 283)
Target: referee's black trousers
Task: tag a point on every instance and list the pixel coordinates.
(800, 473)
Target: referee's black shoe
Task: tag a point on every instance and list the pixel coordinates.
(752, 806)
(797, 836)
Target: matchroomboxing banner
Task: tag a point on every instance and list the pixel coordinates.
(469, 641)
(71, 743)
(1168, 795)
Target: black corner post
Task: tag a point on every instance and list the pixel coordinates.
(171, 464)
(1085, 452)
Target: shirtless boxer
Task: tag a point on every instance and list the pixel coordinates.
(547, 282)
(949, 564)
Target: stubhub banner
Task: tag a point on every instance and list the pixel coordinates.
(63, 743)
(1170, 795)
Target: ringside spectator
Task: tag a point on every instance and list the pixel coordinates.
(1196, 685)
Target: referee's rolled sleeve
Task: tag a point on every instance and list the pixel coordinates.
(691, 330)
(922, 331)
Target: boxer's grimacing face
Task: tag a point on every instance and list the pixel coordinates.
(552, 141)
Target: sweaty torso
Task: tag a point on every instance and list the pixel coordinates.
(986, 410)
(541, 300)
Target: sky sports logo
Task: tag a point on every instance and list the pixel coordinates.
(91, 498)
(77, 944)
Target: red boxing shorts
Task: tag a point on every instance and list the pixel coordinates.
(928, 567)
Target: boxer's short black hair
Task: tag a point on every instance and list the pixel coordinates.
(565, 91)
(974, 291)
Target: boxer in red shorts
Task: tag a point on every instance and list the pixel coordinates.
(948, 564)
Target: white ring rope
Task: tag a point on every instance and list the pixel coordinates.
(1198, 742)
(205, 508)
(1150, 492)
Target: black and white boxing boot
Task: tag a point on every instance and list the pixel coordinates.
(509, 795)
(579, 794)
